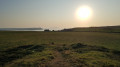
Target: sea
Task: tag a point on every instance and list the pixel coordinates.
(21, 29)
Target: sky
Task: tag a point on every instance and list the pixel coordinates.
(57, 14)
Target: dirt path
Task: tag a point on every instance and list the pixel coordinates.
(59, 61)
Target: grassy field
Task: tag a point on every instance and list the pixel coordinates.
(59, 49)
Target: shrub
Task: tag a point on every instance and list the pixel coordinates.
(78, 45)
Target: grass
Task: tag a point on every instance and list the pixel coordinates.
(34, 49)
(109, 40)
(80, 55)
(38, 59)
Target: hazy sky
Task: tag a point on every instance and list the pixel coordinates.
(57, 14)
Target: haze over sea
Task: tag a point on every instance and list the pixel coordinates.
(21, 29)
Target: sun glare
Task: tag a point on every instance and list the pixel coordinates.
(83, 12)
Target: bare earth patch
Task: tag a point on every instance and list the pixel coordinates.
(59, 61)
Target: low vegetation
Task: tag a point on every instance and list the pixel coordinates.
(59, 49)
(80, 55)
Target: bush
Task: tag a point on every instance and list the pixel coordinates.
(78, 45)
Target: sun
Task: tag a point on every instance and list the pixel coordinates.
(84, 12)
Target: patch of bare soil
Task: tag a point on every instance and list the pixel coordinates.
(59, 61)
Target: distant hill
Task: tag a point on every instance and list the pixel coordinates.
(115, 29)
(20, 29)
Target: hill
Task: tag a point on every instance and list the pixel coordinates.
(111, 29)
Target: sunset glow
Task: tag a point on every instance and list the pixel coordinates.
(84, 12)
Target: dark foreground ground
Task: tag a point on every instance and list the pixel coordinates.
(59, 49)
